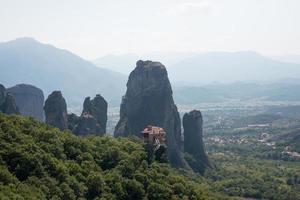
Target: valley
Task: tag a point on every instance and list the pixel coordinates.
(251, 151)
(150, 100)
(253, 145)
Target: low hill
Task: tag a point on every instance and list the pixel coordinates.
(41, 162)
(28, 61)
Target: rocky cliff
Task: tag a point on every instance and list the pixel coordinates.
(87, 124)
(73, 120)
(10, 106)
(96, 107)
(7, 102)
(2, 95)
(56, 110)
(193, 139)
(149, 101)
(29, 99)
(93, 118)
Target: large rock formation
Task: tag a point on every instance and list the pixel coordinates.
(73, 120)
(10, 106)
(2, 96)
(93, 118)
(193, 142)
(29, 99)
(96, 107)
(87, 124)
(7, 102)
(148, 101)
(56, 110)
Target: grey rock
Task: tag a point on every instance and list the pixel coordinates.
(10, 107)
(29, 99)
(193, 138)
(93, 118)
(96, 107)
(87, 124)
(56, 110)
(73, 120)
(148, 101)
(7, 102)
(2, 96)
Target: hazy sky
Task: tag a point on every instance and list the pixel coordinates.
(92, 28)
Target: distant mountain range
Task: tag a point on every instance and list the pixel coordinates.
(126, 63)
(276, 91)
(122, 63)
(205, 68)
(232, 67)
(293, 58)
(220, 76)
(196, 78)
(26, 60)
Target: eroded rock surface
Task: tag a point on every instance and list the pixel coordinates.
(2, 95)
(7, 102)
(10, 106)
(148, 101)
(193, 139)
(93, 118)
(87, 124)
(56, 110)
(29, 99)
(96, 107)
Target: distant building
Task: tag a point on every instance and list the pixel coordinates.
(154, 135)
(154, 138)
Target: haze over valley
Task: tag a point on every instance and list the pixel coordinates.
(195, 77)
(150, 100)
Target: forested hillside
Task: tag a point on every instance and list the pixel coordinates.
(41, 162)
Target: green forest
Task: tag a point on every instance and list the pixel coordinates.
(38, 161)
(41, 162)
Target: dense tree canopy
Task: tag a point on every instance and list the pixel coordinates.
(41, 162)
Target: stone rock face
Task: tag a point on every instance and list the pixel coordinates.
(148, 101)
(7, 102)
(96, 107)
(29, 99)
(193, 136)
(73, 120)
(10, 106)
(2, 96)
(88, 124)
(93, 118)
(56, 110)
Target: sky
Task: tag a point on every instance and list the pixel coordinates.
(93, 28)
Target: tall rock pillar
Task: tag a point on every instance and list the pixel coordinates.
(56, 110)
(149, 101)
(193, 139)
